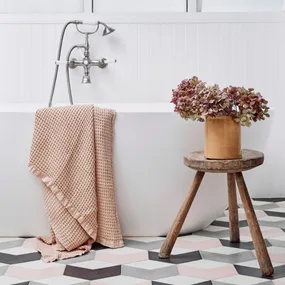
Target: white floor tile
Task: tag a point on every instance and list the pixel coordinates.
(119, 280)
(149, 264)
(62, 280)
(226, 250)
(205, 264)
(5, 280)
(18, 251)
(180, 280)
(39, 264)
(254, 264)
(241, 280)
(93, 264)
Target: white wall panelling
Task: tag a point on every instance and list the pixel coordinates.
(241, 5)
(133, 6)
(41, 6)
(88, 6)
(152, 57)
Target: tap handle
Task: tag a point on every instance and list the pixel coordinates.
(103, 62)
(107, 61)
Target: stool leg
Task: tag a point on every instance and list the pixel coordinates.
(181, 216)
(257, 238)
(233, 208)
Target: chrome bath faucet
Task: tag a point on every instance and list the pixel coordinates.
(86, 62)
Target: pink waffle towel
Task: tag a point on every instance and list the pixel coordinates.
(72, 154)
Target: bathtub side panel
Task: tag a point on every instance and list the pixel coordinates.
(21, 204)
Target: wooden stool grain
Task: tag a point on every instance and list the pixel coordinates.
(234, 169)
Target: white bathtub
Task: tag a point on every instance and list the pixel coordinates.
(151, 179)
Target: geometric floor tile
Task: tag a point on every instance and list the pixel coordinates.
(273, 200)
(178, 255)
(224, 222)
(18, 251)
(261, 205)
(30, 243)
(267, 232)
(242, 280)
(206, 257)
(197, 242)
(226, 219)
(181, 280)
(279, 271)
(121, 280)
(86, 257)
(60, 280)
(228, 254)
(276, 212)
(5, 280)
(18, 255)
(254, 264)
(271, 221)
(277, 254)
(215, 229)
(3, 268)
(281, 204)
(277, 241)
(280, 281)
(10, 242)
(251, 268)
(214, 232)
(243, 239)
(35, 270)
(206, 269)
(122, 255)
(242, 215)
(243, 244)
(92, 270)
(146, 243)
(149, 270)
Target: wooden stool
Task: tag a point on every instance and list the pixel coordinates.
(233, 168)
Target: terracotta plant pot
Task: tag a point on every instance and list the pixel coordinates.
(222, 138)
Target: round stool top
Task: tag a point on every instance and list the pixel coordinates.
(249, 160)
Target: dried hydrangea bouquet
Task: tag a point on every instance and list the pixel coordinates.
(223, 110)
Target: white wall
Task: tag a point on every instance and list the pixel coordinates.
(241, 5)
(41, 6)
(129, 6)
(154, 53)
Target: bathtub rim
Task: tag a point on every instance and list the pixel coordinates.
(118, 107)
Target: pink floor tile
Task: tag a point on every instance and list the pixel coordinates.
(30, 243)
(266, 232)
(24, 273)
(210, 270)
(118, 257)
(277, 254)
(201, 245)
(121, 280)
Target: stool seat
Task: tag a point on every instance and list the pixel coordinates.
(250, 159)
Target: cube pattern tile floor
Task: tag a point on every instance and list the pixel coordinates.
(203, 258)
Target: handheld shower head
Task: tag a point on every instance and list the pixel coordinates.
(107, 29)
